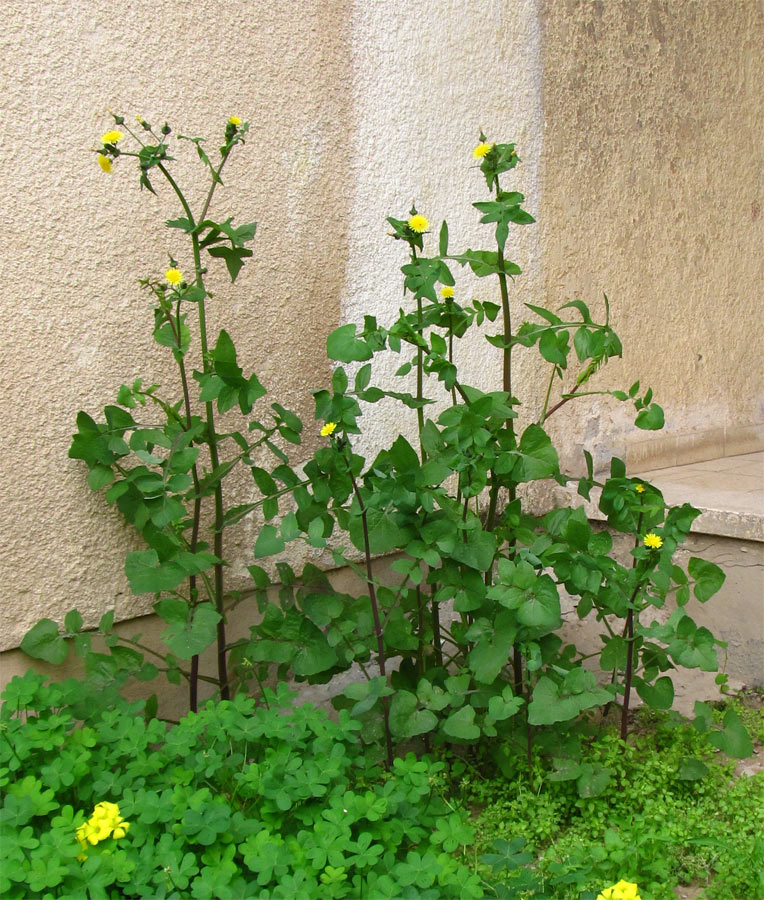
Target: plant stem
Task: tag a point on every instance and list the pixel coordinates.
(629, 667)
(193, 681)
(374, 611)
(211, 437)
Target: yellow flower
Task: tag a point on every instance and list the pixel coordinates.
(640, 488)
(482, 149)
(653, 541)
(105, 822)
(328, 429)
(111, 137)
(624, 890)
(104, 162)
(418, 223)
(446, 293)
(234, 120)
(174, 277)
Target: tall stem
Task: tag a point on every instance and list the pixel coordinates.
(211, 436)
(374, 612)
(193, 681)
(629, 629)
(629, 666)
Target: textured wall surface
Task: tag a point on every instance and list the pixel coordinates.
(653, 191)
(76, 241)
(639, 127)
(354, 111)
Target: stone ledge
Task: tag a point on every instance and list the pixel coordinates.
(728, 491)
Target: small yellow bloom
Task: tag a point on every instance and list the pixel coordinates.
(104, 162)
(624, 890)
(418, 223)
(105, 822)
(234, 120)
(111, 137)
(482, 150)
(446, 293)
(328, 429)
(174, 277)
(640, 488)
(653, 541)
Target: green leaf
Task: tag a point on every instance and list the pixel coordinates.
(539, 455)
(477, 551)
(384, 532)
(461, 725)
(342, 345)
(708, 578)
(659, 695)
(182, 224)
(44, 642)
(406, 720)
(147, 576)
(199, 630)
(650, 419)
(443, 242)
(268, 542)
(233, 256)
(691, 769)
(733, 739)
(489, 656)
(99, 476)
(73, 621)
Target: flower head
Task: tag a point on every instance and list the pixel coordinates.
(104, 162)
(653, 541)
(328, 429)
(418, 223)
(482, 149)
(174, 277)
(105, 822)
(624, 890)
(111, 137)
(639, 488)
(234, 120)
(447, 292)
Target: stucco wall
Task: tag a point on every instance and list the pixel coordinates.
(355, 111)
(638, 125)
(653, 191)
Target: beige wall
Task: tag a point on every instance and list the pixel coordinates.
(653, 191)
(639, 126)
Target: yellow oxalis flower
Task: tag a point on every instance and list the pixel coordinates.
(640, 488)
(234, 120)
(104, 162)
(418, 223)
(328, 429)
(653, 541)
(105, 822)
(111, 137)
(482, 149)
(624, 890)
(446, 293)
(174, 277)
